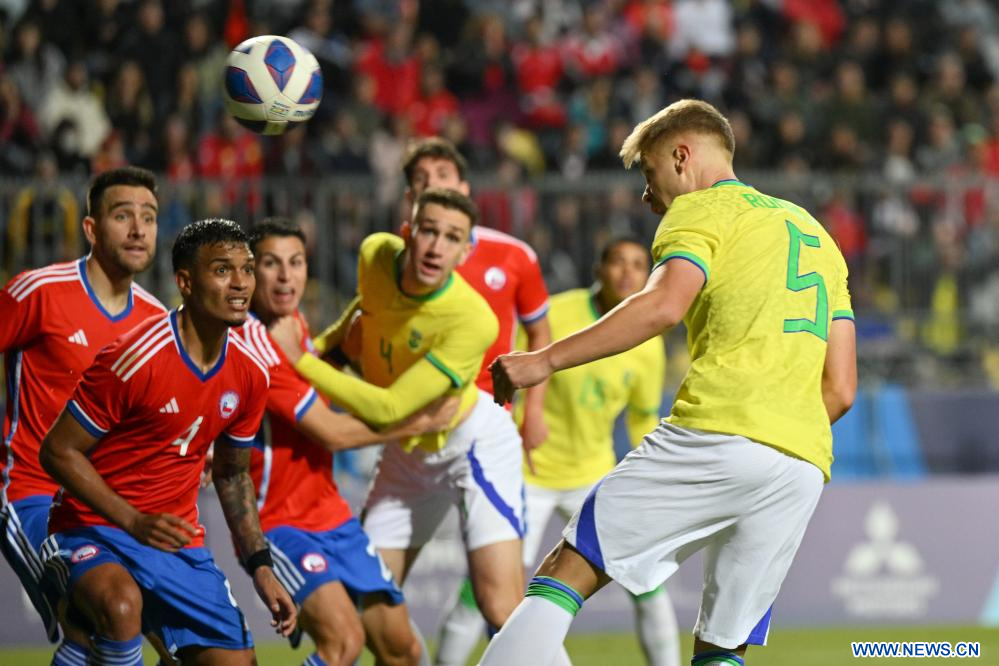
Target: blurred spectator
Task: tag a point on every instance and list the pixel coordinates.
(58, 20)
(903, 103)
(898, 53)
(44, 221)
(942, 149)
(948, 89)
(111, 154)
(898, 167)
(233, 157)
(385, 155)
(393, 67)
(205, 55)
(482, 74)
(851, 105)
(749, 71)
(590, 108)
(365, 114)
(177, 151)
(640, 96)
(429, 113)
(104, 22)
(595, 50)
(344, 147)
(74, 108)
(792, 151)
(704, 26)
(20, 136)
(130, 110)
(290, 155)
(538, 65)
(186, 102)
(331, 48)
(825, 15)
(151, 44)
(35, 66)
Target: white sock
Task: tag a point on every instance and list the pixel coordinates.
(462, 629)
(655, 621)
(532, 636)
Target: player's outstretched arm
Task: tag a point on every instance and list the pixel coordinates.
(839, 374)
(63, 455)
(337, 432)
(234, 486)
(661, 305)
(533, 430)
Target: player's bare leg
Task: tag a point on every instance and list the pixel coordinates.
(535, 631)
(399, 561)
(329, 617)
(389, 632)
(110, 598)
(497, 579)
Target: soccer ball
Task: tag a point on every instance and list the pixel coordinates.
(271, 83)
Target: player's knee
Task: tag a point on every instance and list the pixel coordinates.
(401, 649)
(497, 608)
(339, 639)
(117, 611)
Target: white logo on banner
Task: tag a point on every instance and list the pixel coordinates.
(883, 576)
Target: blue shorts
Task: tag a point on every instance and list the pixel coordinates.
(186, 599)
(305, 560)
(25, 525)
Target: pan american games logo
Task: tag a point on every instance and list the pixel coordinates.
(883, 576)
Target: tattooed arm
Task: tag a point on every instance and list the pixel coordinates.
(231, 475)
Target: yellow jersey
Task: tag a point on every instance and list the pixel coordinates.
(581, 403)
(408, 344)
(758, 329)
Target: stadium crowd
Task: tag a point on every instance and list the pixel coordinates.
(881, 115)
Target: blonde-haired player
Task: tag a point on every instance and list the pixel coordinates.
(738, 466)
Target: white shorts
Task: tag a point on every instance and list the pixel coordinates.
(682, 490)
(541, 504)
(478, 470)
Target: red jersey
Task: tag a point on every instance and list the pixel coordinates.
(156, 414)
(293, 476)
(506, 273)
(52, 327)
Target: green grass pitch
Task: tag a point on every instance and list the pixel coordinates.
(788, 647)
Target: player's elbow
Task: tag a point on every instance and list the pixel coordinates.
(49, 458)
(839, 397)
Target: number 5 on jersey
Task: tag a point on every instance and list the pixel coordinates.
(795, 282)
(184, 442)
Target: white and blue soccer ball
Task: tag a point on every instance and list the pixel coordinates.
(271, 83)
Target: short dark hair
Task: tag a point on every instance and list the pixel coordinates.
(621, 239)
(129, 175)
(274, 226)
(451, 199)
(434, 147)
(204, 232)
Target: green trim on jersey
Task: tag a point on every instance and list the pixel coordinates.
(689, 256)
(455, 379)
(730, 181)
(843, 314)
(425, 297)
